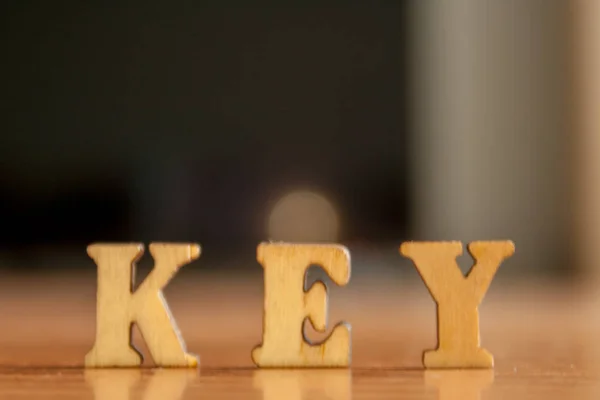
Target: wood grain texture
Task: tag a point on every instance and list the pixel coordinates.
(118, 308)
(457, 297)
(333, 384)
(543, 334)
(287, 305)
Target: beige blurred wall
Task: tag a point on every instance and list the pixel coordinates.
(490, 114)
(585, 138)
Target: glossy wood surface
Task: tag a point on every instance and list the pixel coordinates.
(544, 337)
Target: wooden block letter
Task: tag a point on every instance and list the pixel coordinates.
(287, 306)
(457, 297)
(118, 308)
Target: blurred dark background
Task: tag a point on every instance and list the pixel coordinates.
(152, 121)
(389, 120)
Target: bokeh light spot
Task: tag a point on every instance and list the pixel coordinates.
(303, 216)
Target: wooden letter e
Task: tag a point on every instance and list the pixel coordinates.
(287, 306)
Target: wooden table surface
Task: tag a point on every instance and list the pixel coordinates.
(544, 336)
